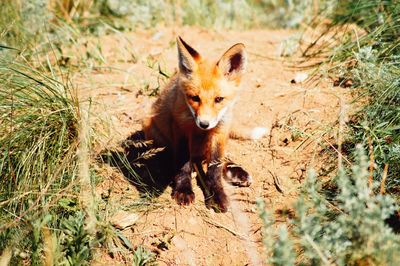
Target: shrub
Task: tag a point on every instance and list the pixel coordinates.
(349, 229)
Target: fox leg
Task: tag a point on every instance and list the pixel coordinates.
(210, 148)
(183, 191)
(236, 175)
(216, 197)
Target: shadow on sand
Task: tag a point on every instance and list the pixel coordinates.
(149, 169)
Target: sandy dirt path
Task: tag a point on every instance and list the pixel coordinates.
(301, 121)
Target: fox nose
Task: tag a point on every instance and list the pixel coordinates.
(204, 124)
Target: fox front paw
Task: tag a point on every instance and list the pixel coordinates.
(237, 176)
(183, 196)
(218, 202)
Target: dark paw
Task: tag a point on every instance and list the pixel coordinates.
(237, 176)
(183, 196)
(218, 202)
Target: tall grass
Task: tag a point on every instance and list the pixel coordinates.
(361, 45)
(47, 209)
(39, 124)
(38, 139)
(48, 215)
(39, 118)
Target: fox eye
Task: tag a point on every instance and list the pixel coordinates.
(195, 98)
(219, 99)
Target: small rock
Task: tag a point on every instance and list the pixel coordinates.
(123, 219)
(179, 242)
(251, 210)
(299, 78)
(192, 221)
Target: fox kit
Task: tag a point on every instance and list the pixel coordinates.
(192, 119)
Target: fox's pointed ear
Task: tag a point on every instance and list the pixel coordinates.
(187, 57)
(233, 63)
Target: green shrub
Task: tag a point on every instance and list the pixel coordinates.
(76, 240)
(143, 257)
(349, 229)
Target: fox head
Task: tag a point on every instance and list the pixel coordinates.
(210, 88)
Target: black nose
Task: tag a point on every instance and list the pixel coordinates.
(204, 124)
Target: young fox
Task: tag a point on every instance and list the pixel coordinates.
(192, 119)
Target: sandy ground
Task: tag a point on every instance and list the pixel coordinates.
(301, 121)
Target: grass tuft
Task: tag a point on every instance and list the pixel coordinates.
(39, 121)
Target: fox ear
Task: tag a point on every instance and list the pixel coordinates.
(233, 62)
(187, 57)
